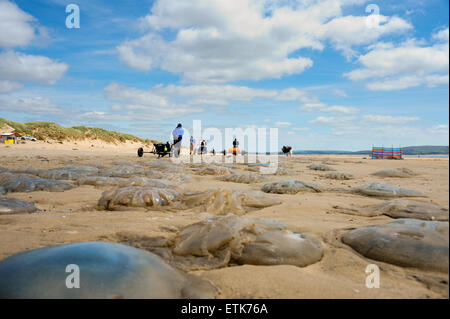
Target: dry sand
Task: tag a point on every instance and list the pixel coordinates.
(71, 217)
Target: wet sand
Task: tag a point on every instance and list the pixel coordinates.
(71, 216)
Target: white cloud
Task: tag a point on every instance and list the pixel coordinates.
(441, 35)
(403, 59)
(205, 94)
(405, 82)
(15, 66)
(283, 124)
(340, 109)
(322, 107)
(312, 106)
(145, 104)
(222, 41)
(382, 130)
(35, 105)
(332, 120)
(349, 31)
(388, 119)
(410, 64)
(9, 86)
(19, 29)
(15, 28)
(142, 54)
(439, 129)
(219, 94)
(177, 100)
(340, 93)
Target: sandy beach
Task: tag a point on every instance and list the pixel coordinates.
(72, 216)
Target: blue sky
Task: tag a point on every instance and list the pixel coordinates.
(327, 74)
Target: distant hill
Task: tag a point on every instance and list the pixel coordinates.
(330, 152)
(425, 150)
(408, 150)
(53, 131)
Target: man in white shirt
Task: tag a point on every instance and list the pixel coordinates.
(177, 134)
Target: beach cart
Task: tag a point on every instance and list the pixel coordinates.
(159, 149)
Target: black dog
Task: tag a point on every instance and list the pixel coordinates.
(286, 150)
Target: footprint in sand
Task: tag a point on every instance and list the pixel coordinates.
(395, 172)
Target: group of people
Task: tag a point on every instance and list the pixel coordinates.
(178, 133)
(201, 149)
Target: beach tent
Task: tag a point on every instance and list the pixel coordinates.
(386, 153)
(9, 138)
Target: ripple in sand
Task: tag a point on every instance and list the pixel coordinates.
(281, 171)
(320, 167)
(25, 183)
(267, 169)
(329, 161)
(107, 270)
(338, 176)
(15, 206)
(164, 166)
(174, 176)
(220, 201)
(291, 187)
(395, 172)
(383, 190)
(246, 178)
(127, 197)
(123, 171)
(212, 170)
(404, 242)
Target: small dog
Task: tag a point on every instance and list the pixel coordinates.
(287, 150)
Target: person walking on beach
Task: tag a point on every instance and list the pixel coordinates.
(177, 134)
(202, 147)
(235, 145)
(192, 143)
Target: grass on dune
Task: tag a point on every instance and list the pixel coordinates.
(53, 131)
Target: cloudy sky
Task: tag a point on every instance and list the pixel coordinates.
(329, 74)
